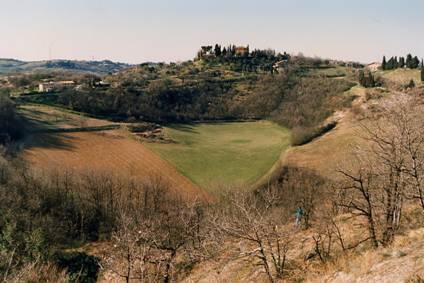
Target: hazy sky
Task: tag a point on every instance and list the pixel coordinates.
(170, 30)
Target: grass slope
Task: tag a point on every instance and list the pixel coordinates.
(98, 67)
(402, 76)
(218, 153)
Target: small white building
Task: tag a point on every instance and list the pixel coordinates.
(281, 65)
(375, 66)
(55, 86)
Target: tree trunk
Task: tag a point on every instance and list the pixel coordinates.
(167, 276)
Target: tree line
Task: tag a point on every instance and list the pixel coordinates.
(411, 62)
(241, 51)
(242, 59)
(10, 123)
(210, 94)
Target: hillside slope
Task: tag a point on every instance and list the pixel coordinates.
(10, 66)
(403, 261)
(89, 148)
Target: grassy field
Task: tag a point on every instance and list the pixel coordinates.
(402, 76)
(335, 72)
(231, 153)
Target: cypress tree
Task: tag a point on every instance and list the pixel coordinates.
(233, 50)
(224, 52)
(384, 63)
(409, 61)
(366, 79)
(390, 64)
(370, 80)
(217, 50)
(422, 71)
(361, 78)
(415, 62)
(402, 62)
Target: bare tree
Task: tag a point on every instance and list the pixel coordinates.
(157, 229)
(359, 198)
(130, 254)
(389, 167)
(407, 118)
(256, 221)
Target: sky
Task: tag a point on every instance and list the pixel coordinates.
(136, 31)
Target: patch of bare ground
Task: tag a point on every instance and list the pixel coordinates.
(403, 262)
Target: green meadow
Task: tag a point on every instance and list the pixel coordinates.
(212, 154)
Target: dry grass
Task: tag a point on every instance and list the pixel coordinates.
(35, 273)
(327, 153)
(401, 76)
(399, 263)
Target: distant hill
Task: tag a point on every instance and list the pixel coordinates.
(8, 66)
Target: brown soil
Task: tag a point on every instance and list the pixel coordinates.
(105, 151)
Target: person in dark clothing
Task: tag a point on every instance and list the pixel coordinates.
(298, 214)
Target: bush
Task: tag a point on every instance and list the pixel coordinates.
(81, 268)
(411, 84)
(142, 127)
(366, 79)
(10, 124)
(301, 136)
(311, 102)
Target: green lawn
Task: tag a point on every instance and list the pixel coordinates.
(335, 72)
(224, 153)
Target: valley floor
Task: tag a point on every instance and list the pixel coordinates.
(217, 154)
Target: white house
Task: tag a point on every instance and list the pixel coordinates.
(54, 86)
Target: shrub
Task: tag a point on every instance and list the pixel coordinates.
(10, 124)
(80, 267)
(411, 84)
(301, 136)
(311, 101)
(142, 127)
(366, 79)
